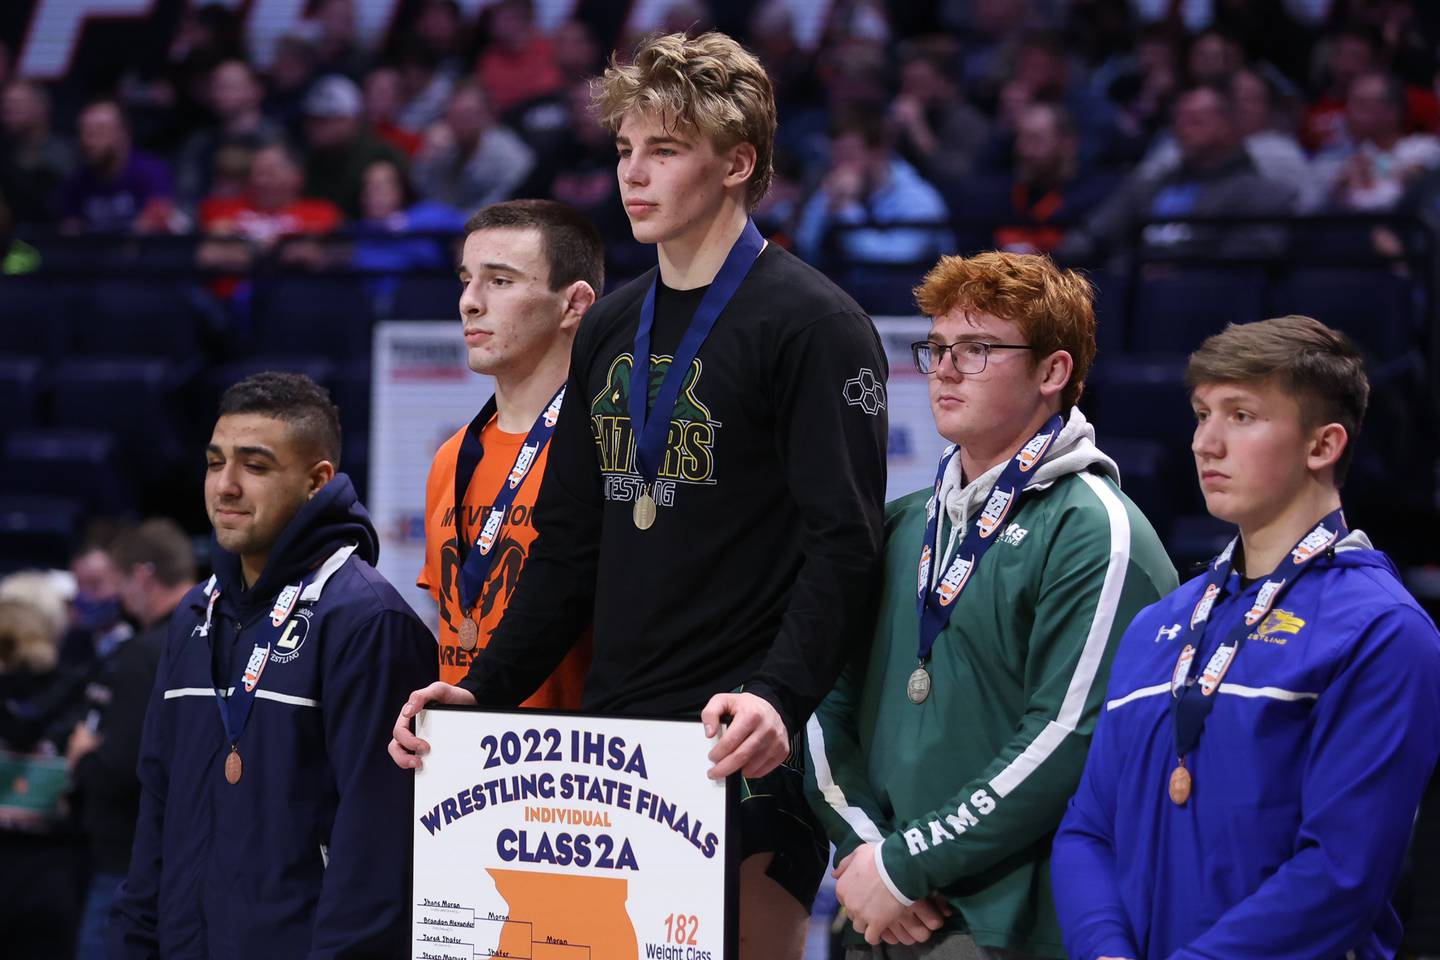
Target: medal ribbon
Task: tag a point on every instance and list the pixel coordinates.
(1192, 692)
(475, 567)
(934, 605)
(651, 433)
(235, 709)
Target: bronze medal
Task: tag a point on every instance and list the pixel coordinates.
(917, 688)
(644, 514)
(233, 766)
(469, 634)
(1180, 785)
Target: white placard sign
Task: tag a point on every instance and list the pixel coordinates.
(914, 446)
(421, 392)
(571, 837)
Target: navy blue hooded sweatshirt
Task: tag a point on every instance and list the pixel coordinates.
(308, 855)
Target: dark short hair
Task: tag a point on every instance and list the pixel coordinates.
(161, 543)
(295, 399)
(1320, 367)
(571, 243)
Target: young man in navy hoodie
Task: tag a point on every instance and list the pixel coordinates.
(262, 779)
(1271, 725)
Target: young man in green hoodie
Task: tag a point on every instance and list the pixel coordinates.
(942, 760)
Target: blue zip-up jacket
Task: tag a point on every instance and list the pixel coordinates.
(1307, 777)
(308, 855)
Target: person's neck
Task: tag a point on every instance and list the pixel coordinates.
(163, 603)
(521, 396)
(251, 566)
(1268, 541)
(978, 457)
(694, 258)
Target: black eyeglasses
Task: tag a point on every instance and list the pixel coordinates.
(967, 356)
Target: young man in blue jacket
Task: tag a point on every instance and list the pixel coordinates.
(1271, 725)
(263, 773)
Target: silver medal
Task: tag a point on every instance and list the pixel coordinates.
(917, 688)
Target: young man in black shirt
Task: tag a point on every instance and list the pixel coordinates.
(715, 505)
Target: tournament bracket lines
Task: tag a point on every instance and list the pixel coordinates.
(564, 848)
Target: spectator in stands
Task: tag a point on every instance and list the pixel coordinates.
(292, 71)
(1213, 58)
(339, 146)
(271, 210)
(97, 624)
(33, 161)
(518, 63)
(1275, 151)
(1042, 72)
(235, 98)
(869, 184)
(42, 853)
(337, 48)
(391, 211)
(1371, 172)
(934, 128)
(1215, 178)
(543, 121)
(469, 160)
(1346, 54)
(1142, 87)
(790, 66)
(157, 568)
(1045, 193)
(426, 88)
(116, 188)
(384, 98)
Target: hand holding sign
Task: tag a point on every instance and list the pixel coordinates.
(405, 748)
(754, 743)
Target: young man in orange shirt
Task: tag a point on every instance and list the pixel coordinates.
(530, 269)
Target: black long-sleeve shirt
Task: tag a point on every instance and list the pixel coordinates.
(105, 778)
(762, 565)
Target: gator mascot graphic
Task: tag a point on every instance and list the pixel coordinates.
(690, 442)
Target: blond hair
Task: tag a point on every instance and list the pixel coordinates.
(27, 638)
(709, 84)
(1053, 308)
(42, 590)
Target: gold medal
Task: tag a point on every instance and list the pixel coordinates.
(917, 688)
(644, 514)
(1180, 785)
(233, 766)
(469, 634)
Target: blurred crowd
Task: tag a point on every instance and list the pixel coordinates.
(78, 653)
(1050, 125)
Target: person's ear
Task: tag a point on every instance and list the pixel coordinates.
(1327, 443)
(579, 297)
(743, 158)
(1055, 371)
(320, 474)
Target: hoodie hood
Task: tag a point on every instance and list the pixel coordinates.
(333, 518)
(1072, 451)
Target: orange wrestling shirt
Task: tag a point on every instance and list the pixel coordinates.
(441, 574)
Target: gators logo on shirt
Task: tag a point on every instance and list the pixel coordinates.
(690, 445)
